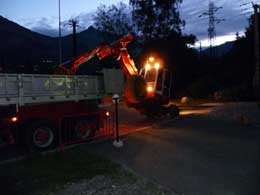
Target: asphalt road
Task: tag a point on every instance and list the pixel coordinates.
(193, 155)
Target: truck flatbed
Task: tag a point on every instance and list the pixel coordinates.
(24, 89)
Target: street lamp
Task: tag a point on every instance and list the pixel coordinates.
(60, 49)
(117, 143)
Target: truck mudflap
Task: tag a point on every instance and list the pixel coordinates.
(6, 136)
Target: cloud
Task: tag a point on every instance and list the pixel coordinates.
(85, 19)
(49, 26)
(189, 9)
(44, 26)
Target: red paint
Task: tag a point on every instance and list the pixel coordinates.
(52, 112)
(55, 111)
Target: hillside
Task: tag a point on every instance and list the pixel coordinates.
(22, 50)
(20, 46)
(220, 50)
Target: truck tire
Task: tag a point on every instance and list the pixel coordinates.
(41, 136)
(84, 130)
(135, 89)
(174, 111)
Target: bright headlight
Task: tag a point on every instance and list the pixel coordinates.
(149, 89)
(151, 59)
(147, 66)
(157, 65)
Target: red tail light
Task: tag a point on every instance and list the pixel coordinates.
(14, 119)
(107, 114)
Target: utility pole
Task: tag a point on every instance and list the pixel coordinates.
(212, 9)
(256, 46)
(74, 24)
(60, 49)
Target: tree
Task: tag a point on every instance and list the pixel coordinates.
(157, 28)
(114, 19)
(241, 58)
(234, 71)
(155, 19)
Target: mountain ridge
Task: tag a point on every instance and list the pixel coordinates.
(24, 48)
(219, 50)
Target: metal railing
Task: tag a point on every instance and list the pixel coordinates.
(76, 129)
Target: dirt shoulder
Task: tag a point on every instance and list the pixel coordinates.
(74, 171)
(101, 184)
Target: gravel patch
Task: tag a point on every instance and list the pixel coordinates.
(104, 185)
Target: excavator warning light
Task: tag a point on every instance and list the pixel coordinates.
(151, 59)
(149, 89)
(157, 65)
(147, 66)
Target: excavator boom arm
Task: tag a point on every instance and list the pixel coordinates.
(117, 49)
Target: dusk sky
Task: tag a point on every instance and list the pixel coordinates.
(42, 16)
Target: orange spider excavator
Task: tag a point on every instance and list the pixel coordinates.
(147, 90)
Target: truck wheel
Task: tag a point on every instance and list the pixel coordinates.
(84, 130)
(174, 111)
(42, 136)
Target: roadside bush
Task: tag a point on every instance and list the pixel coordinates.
(242, 92)
(202, 88)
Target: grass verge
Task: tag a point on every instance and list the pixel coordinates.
(51, 172)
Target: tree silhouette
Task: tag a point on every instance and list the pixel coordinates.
(114, 19)
(157, 28)
(155, 19)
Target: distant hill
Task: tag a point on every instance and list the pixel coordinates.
(20, 46)
(24, 49)
(86, 40)
(220, 50)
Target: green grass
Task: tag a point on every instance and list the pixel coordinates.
(52, 171)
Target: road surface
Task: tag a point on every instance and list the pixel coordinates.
(193, 155)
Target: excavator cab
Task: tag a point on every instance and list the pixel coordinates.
(158, 80)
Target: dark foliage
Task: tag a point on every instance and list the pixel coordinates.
(231, 75)
(238, 65)
(175, 56)
(156, 19)
(113, 20)
(157, 28)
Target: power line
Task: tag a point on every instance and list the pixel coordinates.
(244, 4)
(245, 9)
(251, 12)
